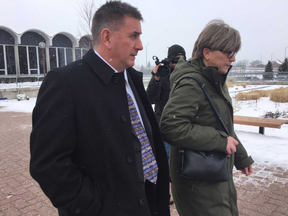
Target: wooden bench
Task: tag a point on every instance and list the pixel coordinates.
(260, 122)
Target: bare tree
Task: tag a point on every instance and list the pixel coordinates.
(86, 10)
(255, 63)
(242, 63)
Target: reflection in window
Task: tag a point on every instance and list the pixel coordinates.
(2, 63)
(32, 57)
(84, 51)
(69, 55)
(10, 60)
(23, 60)
(33, 60)
(61, 57)
(78, 54)
(53, 58)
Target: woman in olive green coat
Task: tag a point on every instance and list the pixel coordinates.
(188, 121)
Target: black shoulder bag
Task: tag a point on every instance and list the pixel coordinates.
(212, 166)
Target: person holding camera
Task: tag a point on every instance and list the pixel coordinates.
(159, 86)
(158, 89)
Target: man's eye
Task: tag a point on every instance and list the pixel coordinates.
(134, 36)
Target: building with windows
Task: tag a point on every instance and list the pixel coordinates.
(23, 55)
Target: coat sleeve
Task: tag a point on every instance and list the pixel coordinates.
(177, 124)
(52, 143)
(154, 90)
(242, 159)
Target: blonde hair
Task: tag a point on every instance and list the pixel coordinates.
(217, 35)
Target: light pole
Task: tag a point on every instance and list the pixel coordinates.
(42, 46)
(285, 53)
(146, 55)
(260, 58)
(272, 56)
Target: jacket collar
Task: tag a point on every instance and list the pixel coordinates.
(104, 71)
(210, 73)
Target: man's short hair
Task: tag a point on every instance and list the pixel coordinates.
(217, 35)
(111, 16)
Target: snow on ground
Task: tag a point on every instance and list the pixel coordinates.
(269, 150)
(17, 106)
(19, 85)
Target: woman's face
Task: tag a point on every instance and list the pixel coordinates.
(219, 59)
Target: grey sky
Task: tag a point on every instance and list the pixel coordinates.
(263, 25)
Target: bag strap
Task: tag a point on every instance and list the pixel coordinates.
(202, 86)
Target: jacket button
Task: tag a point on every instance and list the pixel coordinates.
(116, 79)
(141, 202)
(77, 210)
(124, 119)
(129, 160)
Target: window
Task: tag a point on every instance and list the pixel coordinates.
(53, 58)
(33, 60)
(78, 54)
(84, 51)
(2, 61)
(69, 55)
(23, 60)
(61, 57)
(10, 59)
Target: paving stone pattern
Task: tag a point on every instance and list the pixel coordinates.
(264, 193)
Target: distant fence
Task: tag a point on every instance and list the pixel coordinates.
(256, 76)
(20, 78)
(280, 78)
(235, 76)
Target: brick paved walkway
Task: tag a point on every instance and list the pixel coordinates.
(265, 193)
(19, 193)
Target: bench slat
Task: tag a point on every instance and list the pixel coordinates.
(261, 122)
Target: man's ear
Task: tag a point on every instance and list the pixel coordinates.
(106, 36)
(206, 53)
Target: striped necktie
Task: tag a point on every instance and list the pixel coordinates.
(149, 163)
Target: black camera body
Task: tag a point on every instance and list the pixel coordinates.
(164, 70)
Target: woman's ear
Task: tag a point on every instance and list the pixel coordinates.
(106, 36)
(206, 53)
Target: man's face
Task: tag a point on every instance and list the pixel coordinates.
(125, 44)
(172, 65)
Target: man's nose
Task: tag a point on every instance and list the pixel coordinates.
(139, 45)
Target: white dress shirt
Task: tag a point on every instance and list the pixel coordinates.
(127, 85)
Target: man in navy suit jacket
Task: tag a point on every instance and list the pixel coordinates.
(84, 151)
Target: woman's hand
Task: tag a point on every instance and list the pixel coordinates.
(247, 170)
(231, 145)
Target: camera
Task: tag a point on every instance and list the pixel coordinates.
(164, 70)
